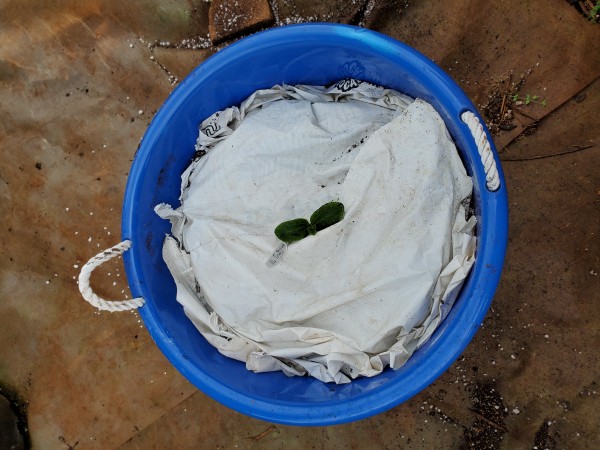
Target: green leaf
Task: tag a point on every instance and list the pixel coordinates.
(327, 215)
(292, 230)
(544, 102)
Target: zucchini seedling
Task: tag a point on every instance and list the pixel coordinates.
(294, 230)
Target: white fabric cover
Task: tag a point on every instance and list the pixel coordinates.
(356, 297)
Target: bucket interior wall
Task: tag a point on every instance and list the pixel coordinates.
(307, 54)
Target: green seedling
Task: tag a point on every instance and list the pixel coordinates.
(528, 99)
(294, 230)
(594, 12)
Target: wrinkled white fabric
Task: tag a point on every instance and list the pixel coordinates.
(356, 297)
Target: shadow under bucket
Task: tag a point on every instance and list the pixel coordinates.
(314, 54)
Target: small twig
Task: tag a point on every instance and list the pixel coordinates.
(517, 110)
(566, 152)
(489, 422)
(261, 435)
(64, 441)
(503, 107)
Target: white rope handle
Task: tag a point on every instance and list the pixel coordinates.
(485, 151)
(86, 290)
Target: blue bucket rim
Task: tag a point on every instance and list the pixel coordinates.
(443, 349)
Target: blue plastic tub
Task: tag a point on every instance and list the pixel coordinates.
(310, 54)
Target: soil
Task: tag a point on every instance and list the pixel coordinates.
(18, 411)
(488, 428)
(499, 109)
